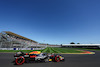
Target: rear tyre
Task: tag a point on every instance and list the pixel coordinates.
(56, 58)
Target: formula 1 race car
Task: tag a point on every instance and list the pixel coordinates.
(36, 56)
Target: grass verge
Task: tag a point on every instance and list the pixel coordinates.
(60, 50)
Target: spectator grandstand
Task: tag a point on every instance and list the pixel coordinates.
(11, 40)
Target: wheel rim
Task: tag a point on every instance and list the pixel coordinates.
(20, 60)
(57, 59)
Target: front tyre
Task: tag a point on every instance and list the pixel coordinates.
(20, 61)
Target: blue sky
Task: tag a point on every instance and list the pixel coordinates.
(52, 21)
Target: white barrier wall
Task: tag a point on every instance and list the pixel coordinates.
(54, 46)
(21, 48)
(6, 48)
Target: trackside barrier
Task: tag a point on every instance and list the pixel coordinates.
(21, 48)
(6, 48)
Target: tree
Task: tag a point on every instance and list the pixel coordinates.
(72, 43)
(61, 45)
(78, 43)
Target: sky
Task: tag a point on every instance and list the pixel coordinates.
(52, 21)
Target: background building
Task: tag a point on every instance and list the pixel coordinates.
(81, 45)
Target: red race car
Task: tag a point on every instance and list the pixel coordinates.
(36, 56)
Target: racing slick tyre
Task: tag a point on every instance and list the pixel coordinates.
(56, 58)
(20, 60)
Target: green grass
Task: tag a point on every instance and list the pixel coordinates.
(48, 50)
(60, 50)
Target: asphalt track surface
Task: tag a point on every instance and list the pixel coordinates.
(71, 61)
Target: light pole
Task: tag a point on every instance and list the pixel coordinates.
(44, 43)
(36, 45)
